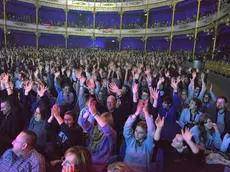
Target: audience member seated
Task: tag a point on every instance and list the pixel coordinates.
(119, 167)
(206, 134)
(66, 135)
(139, 144)
(12, 119)
(23, 156)
(76, 158)
(102, 137)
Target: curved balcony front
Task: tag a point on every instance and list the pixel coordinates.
(204, 24)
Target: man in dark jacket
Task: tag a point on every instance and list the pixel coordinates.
(11, 118)
(220, 115)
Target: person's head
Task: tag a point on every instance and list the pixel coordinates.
(40, 112)
(178, 142)
(111, 103)
(100, 97)
(144, 82)
(78, 156)
(107, 116)
(221, 103)
(206, 98)
(125, 89)
(144, 94)
(5, 107)
(184, 94)
(141, 131)
(167, 102)
(205, 121)
(24, 142)
(119, 167)
(66, 88)
(195, 104)
(197, 89)
(70, 118)
(205, 125)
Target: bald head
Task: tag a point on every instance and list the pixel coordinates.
(111, 103)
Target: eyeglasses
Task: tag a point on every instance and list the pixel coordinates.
(16, 141)
(65, 162)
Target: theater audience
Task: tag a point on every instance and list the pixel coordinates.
(107, 88)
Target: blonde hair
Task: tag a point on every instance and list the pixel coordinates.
(83, 161)
(119, 167)
(109, 118)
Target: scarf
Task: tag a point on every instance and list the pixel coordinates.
(97, 137)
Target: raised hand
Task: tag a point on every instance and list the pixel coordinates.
(146, 107)
(202, 76)
(139, 107)
(135, 88)
(42, 90)
(92, 106)
(215, 126)
(187, 135)
(160, 81)
(90, 83)
(56, 111)
(114, 88)
(28, 87)
(154, 93)
(56, 74)
(159, 121)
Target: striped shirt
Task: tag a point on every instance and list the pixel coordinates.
(30, 161)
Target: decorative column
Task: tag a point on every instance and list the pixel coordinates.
(66, 24)
(172, 26)
(37, 6)
(216, 27)
(93, 39)
(146, 26)
(4, 25)
(119, 41)
(37, 37)
(196, 29)
(66, 36)
(145, 38)
(121, 23)
(94, 17)
(94, 21)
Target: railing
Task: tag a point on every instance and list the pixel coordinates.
(220, 67)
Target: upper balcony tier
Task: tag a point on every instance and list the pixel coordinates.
(103, 5)
(204, 24)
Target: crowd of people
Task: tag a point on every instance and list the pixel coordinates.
(94, 110)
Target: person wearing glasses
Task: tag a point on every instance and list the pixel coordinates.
(76, 159)
(23, 156)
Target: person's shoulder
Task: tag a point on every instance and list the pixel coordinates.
(35, 156)
(194, 129)
(8, 152)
